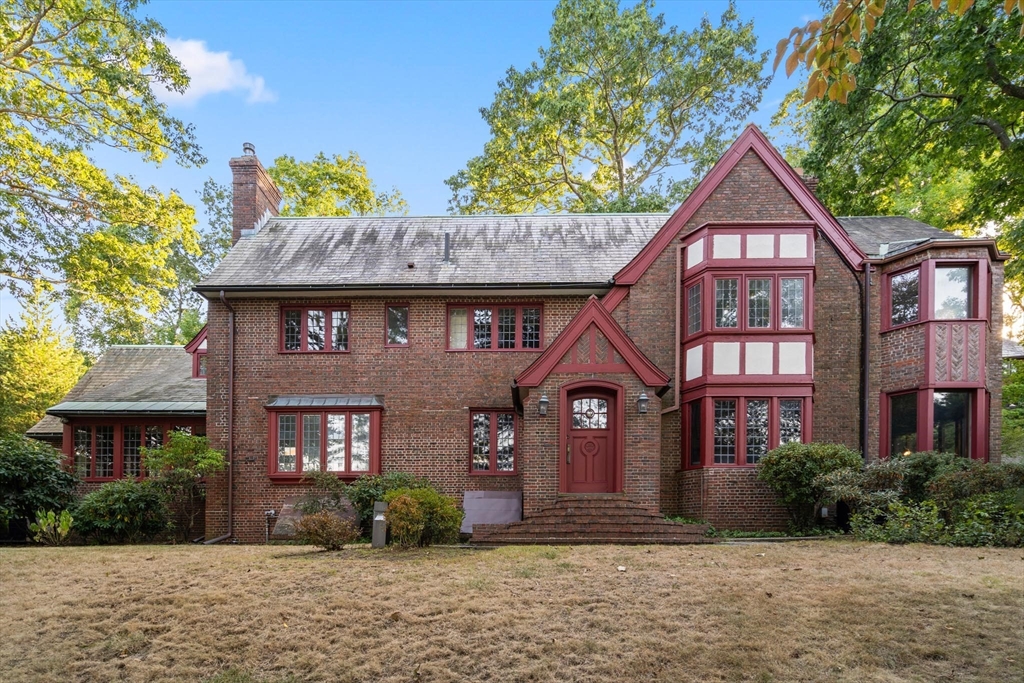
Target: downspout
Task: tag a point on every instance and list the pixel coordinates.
(231, 420)
(865, 359)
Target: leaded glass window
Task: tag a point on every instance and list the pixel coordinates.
(481, 442)
(293, 330)
(398, 325)
(725, 432)
(286, 443)
(311, 443)
(757, 429)
(506, 442)
(104, 451)
(792, 301)
(320, 329)
(154, 436)
(493, 442)
(590, 413)
(694, 309)
(695, 428)
(83, 451)
(336, 442)
(727, 302)
(506, 328)
(501, 328)
(905, 297)
(457, 328)
(315, 325)
(339, 330)
(531, 328)
(360, 442)
(131, 450)
(759, 298)
(790, 421)
(482, 328)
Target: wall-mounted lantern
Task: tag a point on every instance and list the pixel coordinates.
(642, 403)
(542, 405)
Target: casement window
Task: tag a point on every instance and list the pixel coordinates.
(757, 302)
(492, 442)
(199, 364)
(335, 441)
(396, 325)
(951, 422)
(314, 329)
(951, 428)
(902, 423)
(94, 451)
(694, 309)
(496, 327)
(743, 430)
(951, 294)
(111, 451)
(905, 297)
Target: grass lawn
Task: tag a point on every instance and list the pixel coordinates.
(804, 611)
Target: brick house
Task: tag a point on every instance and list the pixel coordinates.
(592, 373)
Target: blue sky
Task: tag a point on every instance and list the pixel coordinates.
(401, 83)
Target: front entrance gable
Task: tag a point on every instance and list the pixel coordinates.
(592, 342)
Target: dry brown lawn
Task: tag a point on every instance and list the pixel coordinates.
(807, 611)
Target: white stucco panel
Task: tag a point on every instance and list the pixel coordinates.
(792, 246)
(725, 358)
(695, 253)
(694, 362)
(759, 357)
(793, 358)
(760, 246)
(727, 246)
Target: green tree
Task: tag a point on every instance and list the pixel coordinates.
(38, 366)
(336, 186)
(616, 103)
(74, 76)
(178, 469)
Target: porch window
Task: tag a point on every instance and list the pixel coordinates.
(902, 423)
(315, 329)
(494, 328)
(952, 300)
(725, 432)
(694, 309)
(397, 322)
(334, 441)
(951, 425)
(113, 450)
(905, 297)
(492, 442)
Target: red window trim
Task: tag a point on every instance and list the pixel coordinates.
(708, 278)
(494, 412)
(408, 322)
(296, 477)
(327, 309)
(979, 413)
(119, 424)
(707, 426)
(926, 292)
(196, 374)
(494, 318)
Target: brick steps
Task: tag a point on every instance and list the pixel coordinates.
(612, 519)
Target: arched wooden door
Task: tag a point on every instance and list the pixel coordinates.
(591, 442)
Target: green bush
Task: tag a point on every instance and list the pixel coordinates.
(952, 489)
(329, 493)
(899, 523)
(436, 517)
(325, 530)
(368, 489)
(51, 528)
(32, 478)
(793, 472)
(123, 511)
(995, 519)
(923, 467)
(874, 486)
(178, 468)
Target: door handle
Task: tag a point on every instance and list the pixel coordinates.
(568, 453)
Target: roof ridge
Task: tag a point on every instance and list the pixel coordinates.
(466, 217)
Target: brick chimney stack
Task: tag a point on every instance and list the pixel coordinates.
(254, 194)
(810, 181)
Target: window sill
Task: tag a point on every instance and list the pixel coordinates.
(313, 353)
(933, 320)
(290, 478)
(494, 350)
(478, 473)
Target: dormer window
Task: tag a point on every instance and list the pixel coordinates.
(197, 349)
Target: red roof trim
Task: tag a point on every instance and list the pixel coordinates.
(592, 313)
(750, 139)
(196, 341)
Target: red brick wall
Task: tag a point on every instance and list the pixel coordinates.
(731, 498)
(253, 194)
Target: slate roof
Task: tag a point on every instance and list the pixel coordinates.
(1012, 350)
(132, 379)
(335, 253)
(869, 233)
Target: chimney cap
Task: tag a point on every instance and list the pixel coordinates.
(248, 149)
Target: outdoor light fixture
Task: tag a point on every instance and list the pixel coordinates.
(642, 402)
(542, 405)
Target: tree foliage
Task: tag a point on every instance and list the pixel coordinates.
(75, 76)
(332, 186)
(616, 104)
(32, 478)
(830, 47)
(38, 366)
(178, 468)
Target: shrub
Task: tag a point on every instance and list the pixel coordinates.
(368, 489)
(875, 485)
(51, 528)
(995, 519)
(921, 468)
(792, 471)
(436, 517)
(123, 511)
(178, 468)
(325, 530)
(32, 478)
(952, 489)
(899, 523)
(329, 493)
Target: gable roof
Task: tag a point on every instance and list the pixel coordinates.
(592, 313)
(197, 341)
(558, 251)
(751, 139)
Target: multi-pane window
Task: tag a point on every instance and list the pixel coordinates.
(321, 441)
(83, 451)
(315, 329)
(759, 302)
(694, 309)
(104, 451)
(131, 450)
(727, 302)
(902, 423)
(590, 413)
(109, 451)
(500, 328)
(792, 302)
(952, 300)
(725, 432)
(397, 326)
(757, 429)
(790, 421)
(201, 365)
(695, 429)
(493, 442)
(905, 297)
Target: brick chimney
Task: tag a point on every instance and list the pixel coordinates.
(810, 181)
(254, 194)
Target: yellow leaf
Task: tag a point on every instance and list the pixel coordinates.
(869, 23)
(965, 5)
(875, 11)
(814, 26)
(953, 5)
(855, 26)
(810, 56)
(1008, 7)
(936, 4)
(854, 55)
(812, 87)
(780, 52)
(910, 6)
(791, 63)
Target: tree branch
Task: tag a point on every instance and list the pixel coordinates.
(997, 130)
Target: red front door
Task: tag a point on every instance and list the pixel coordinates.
(590, 457)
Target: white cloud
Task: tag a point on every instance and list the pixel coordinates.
(213, 72)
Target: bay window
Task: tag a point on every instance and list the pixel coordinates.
(335, 441)
(492, 442)
(498, 327)
(694, 309)
(792, 302)
(752, 302)
(905, 297)
(952, 293)
(902, 423)
(951, 422)
(314, 329)
(742, 430)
